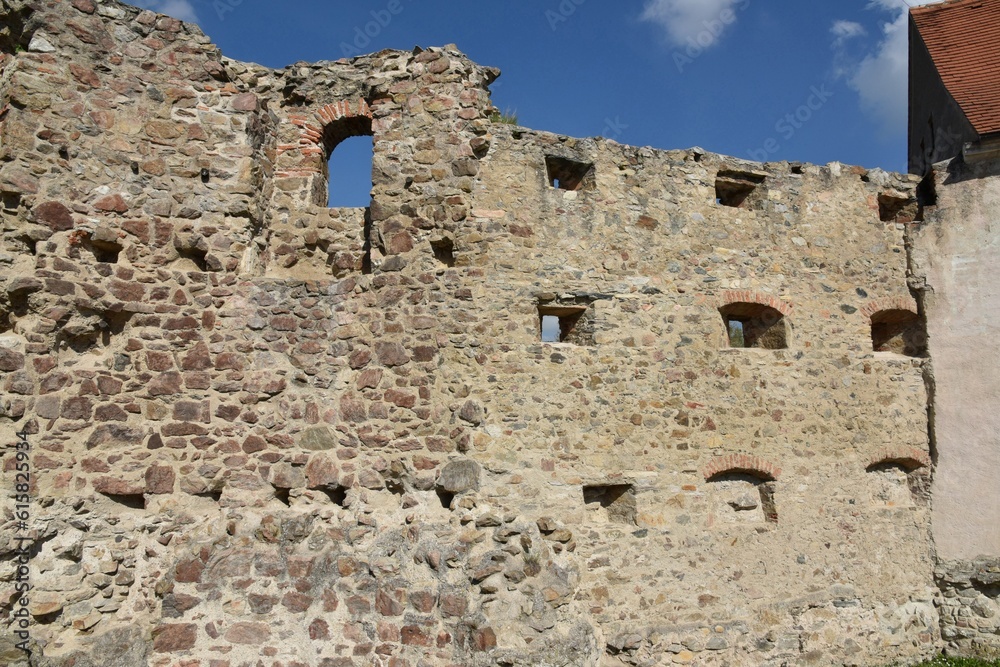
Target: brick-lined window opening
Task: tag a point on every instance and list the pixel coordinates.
(566, 174)
(734, 188)
(566, 323)
(614, 503)
(899, 331)
(754, 325)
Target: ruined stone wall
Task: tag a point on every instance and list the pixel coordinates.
(954, 258)
(268, 432)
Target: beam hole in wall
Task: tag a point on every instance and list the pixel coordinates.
(135, 501)
(741, 496)
(734, 188)
(104, 252)
(191, 259)
(283, 496)
(337, 495)
(444, 251)
(446, 498)
(567, 174)
(899, 331)
(571, 323)
(754, 325)
(614, 503)
(10, 200)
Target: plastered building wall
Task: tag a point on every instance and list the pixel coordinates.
(264, 431)
(953, 255)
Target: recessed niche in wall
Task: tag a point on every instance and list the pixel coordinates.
(611, 502)
(566, 174)
(734, 188)
(898, 484)
(738, 496)
(899, 331)
(104, 252)
(754, 325)
(893, 206)
(566, 322)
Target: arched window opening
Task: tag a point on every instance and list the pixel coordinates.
(754, 325)
(348, 145)
(899, 331)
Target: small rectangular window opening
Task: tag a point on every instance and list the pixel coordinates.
(733, 188)
(566, 324)
(754, 325)
(566, 174)
(736, 338)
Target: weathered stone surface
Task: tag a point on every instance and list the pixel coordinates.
(337, 436)
(317, 438)
(459, 476)
(54, 214)
(174, 637)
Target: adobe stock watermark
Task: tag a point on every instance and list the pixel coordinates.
(223, 7)
(789, 124)
(20, 617)
(698, 44)
(363, 35)
(561, 13)
(613, 128)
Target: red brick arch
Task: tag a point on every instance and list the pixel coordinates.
(889, 303)
(750, 296)
(741, 463)
(314, 124)
(908, 457)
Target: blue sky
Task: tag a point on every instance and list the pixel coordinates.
(813, 81)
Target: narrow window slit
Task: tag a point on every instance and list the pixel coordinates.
(571, 322)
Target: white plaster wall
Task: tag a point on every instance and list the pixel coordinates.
(957, 252)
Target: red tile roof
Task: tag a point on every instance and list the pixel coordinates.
(963, 37)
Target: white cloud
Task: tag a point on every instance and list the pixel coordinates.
(179, 9)
(685, 20)
(880, 76)
(845, 30)
(880, 79)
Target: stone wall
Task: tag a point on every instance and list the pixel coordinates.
(265, 432)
